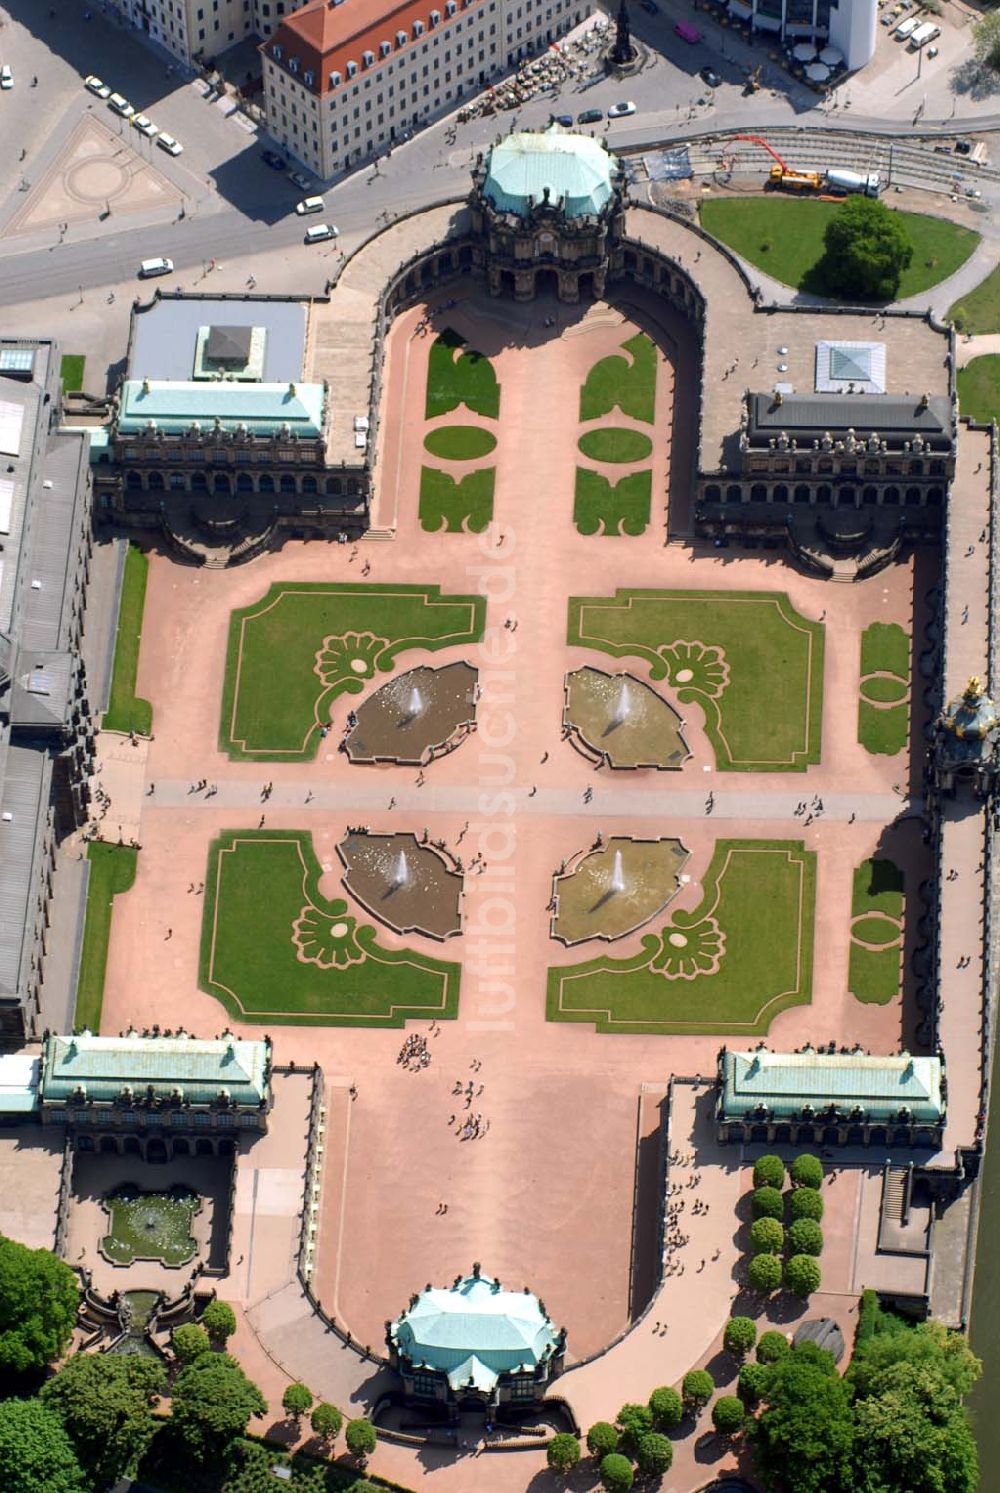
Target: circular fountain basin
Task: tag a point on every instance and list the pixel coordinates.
(410, 887)
(623, 720)
(415, 716)
(611, 892)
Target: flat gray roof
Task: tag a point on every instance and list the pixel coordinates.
(165, 335)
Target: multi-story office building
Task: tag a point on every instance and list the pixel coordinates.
(345, 81)
(198, 29)
(45, 734)
(849, 25)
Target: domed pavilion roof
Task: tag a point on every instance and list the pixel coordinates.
(972, 715)
(474, 1331)
(574, 171)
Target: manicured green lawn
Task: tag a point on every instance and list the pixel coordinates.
(724, 968)
(628, 383)
(460, 442)
(112, 870)
(456, 506)
(611, 508)
(784, 237)
(467, 378)
(294, 651)
(875, 974)
(979, 311)
(273, 949)
(979, 389)
(752, 663)
(614, 443)
(71, 372)
(883, 726)
(126, 712)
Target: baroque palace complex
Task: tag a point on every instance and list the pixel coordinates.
(302, 828)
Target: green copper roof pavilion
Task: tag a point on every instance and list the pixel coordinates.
(785, 1084)
(173, 406)
(573, 171)
(473, 1333)
(105, 1069)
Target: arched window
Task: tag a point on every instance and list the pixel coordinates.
(309, 484)
(155, 481)
(333, 485)
(244, 482)
(287, 482)
(781, 493)
(133, 481)
(758, 493)
(802, 493)
(713, 492)
(734, 494)
(265, 482)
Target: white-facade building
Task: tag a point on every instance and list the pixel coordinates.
(197, 29)
(345, 79)
(849, 25)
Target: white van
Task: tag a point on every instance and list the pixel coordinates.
(923, 34)
(151, 267)
(309, 205)
(320, 231)
(906, 28)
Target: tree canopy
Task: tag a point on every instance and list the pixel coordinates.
(219, 1321)
(867, 248)
(803, 1439)
(326, 1420)
(802, 1275)
(563, 1452)
(188, 1341)
(105, 1402)
(361, 1438)
(752, 1383)
(769, 1171)
(772, 1346)
(767, 1202)
(616, 1473)
(297, 1399)
(667, 1407)
(805, 1203)
(728, 1413)
(654, 1454)
(767, 1236)
(634, 1422)
(212, 1402)
(602, 1438)
(38, 1301)
(739, 1336)
(986, 40)
(764, 1273)
(36, 1454)
(698, 1386)
(805, 1237)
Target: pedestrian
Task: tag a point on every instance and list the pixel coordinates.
(261, 824)
(169, 934)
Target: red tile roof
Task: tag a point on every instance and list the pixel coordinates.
(325, 36)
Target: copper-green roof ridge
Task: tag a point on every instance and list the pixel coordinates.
(475, 1330)
(199, 1070)
(575, 170)
(173, 406)
(782, 1082)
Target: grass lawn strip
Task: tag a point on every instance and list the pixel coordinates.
(456, 506)
(883, 706)
(753, 664)
(979, 311)
(979, 388)
(112, 870)
(612, 508)
(754, 964)
(273, 949)
(455, 377)
(628, 383)
(291, 653)
(460, 442)
(71, 371)
(615, 443)
(126, 712)
(784, 238)
(875, 973)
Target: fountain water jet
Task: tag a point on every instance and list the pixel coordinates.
(415, 704)
(617, 874)
(400, 873)
(623, 707)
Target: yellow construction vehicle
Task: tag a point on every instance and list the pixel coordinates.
(783, 179)
(752, 83)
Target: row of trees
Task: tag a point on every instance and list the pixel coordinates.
(779, 1255)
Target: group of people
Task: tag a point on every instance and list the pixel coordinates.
(414, 1053)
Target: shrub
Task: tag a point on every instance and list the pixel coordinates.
(654, 1455)
(189, 1341)
(739, 1336)
(752, 1383)
(616, 1473)
(806, 1171)
(634, 1422)
(764, 1273)
(802, 1275)
(361, 1438)
(767, 1202)
(219, 1321)
(602, 1438)
(767, 1237)
(805, 1237)
(563, 1452)
(326, 1420)
(667, 1407)
(728, 1414)
(805, 1203)
(772, 1346)
(698, 1388)
(769, 1171)
(296, 1400)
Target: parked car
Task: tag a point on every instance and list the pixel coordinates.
(566, 120)
(145, 126)
(121, 105)
(169, 144)
(297, 179)
(158, 266)
(274, 160)
(97, 85)
(6, 76)
(709, 77)
(309, 205)
(320, 231)
(590, 116)
(619, 111)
